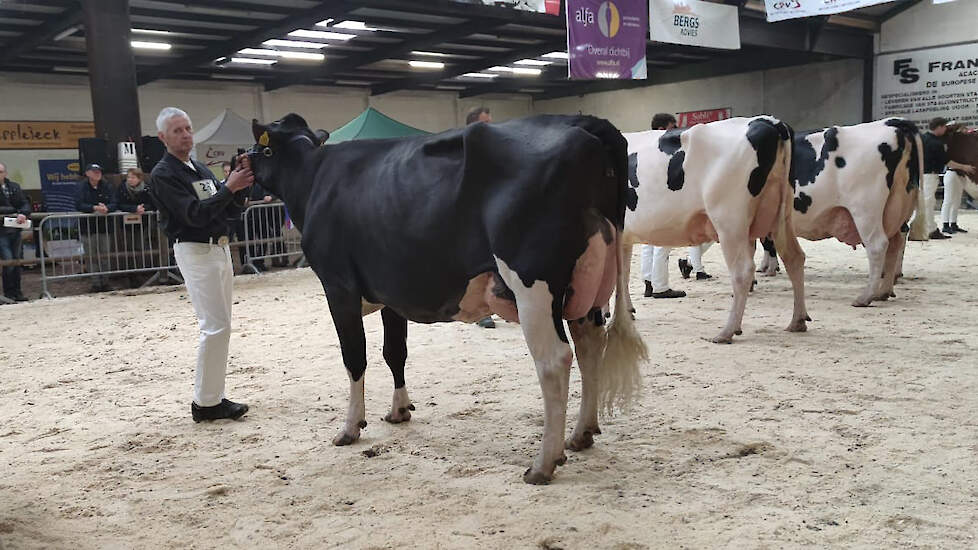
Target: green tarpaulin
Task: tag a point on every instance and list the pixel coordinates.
(372, 124)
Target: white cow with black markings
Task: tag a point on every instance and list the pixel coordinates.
(725, 181)
(859, 184)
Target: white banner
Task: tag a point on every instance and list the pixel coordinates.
(779, 10)
(694, 23)
(922, 84)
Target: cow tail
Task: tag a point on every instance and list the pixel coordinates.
(619, 379)
(918, 223)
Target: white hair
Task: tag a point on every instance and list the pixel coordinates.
(166, 114)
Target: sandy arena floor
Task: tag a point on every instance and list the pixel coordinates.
(858, 433)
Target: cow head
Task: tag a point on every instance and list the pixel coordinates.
(279, 147)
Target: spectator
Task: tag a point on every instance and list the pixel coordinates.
(136, 239)
(12, 201)
(95, 196)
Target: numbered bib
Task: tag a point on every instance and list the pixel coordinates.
(205, 188)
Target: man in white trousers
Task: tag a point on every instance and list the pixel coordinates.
(953, 188)
(935, 161)
(194, 211)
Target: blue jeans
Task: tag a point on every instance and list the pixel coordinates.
(10, 249)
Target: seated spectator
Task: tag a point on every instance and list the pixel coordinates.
(95, 196)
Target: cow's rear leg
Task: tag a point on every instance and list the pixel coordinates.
(894, 255)
(738, 251)
(769, 265)
(876, 244)
(794, 263)
(345, 308)
(627, 268)
(590, 339)
(542, 322)
(395, 353)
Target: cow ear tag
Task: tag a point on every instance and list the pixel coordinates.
(263, 140)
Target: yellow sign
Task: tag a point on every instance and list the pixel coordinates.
(43, 135)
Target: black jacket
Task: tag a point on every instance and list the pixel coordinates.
(86, 197)
(194, 205)
(127, 201)
(935, 153)
(13, 202)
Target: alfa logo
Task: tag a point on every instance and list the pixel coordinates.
(609, 19)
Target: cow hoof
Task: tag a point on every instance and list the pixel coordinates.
(797, 326)
(578, 444)
(561, 461)
(892, 295)
(882, 297)
(344, 439)
(402, 414)
(536, 478)
(738, 332)
(861, 303)
(722, 339)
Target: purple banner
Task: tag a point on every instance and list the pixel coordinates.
(606, 39)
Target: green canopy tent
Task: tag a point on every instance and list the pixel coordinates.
(372, 124)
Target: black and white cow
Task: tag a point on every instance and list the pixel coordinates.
(725, 181)
(859, 184)
(522, 219)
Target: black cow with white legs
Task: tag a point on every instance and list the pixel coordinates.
(522, 219)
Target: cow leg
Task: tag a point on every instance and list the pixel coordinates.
(589, 343)
(794, 263)
(345, 307)
(876, 245)
(395, 353)
(769, 265)
(627, 268)
(894, 254)
(738, 251)
(543, 328)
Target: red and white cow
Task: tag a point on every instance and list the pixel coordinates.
(725, 181)
(859, 184)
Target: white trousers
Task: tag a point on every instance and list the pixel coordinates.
(930, 199)
(953, 186)
(207, 271)
(696, 256)
(655, 263)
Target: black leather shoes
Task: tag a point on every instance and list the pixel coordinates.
(936, 235)
(648, 289)
(17, 297)
(685, 268)
(702, 276)
(956, 229)
(669, 293)
(225, 409)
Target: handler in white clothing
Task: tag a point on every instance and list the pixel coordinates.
(194, 211)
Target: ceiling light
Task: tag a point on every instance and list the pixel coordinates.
(426, 64)
(250, 61)
(322, 35)
(151, 31)
(150, 45)
(353, 25)
(454, 88)
(430, 54)
(537, 62)
(556, 55)
(275, 42)
(71, 69)
(325, 22)
(480, 75)
(526, 71)
(287, 55)
(66, 33)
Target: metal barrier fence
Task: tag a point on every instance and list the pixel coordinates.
(73, 245)
(269, 235)
(95, 246)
